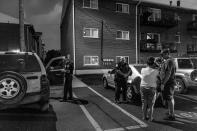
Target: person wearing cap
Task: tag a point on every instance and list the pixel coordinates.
(148, 88)
(168, 81)
(122, 72)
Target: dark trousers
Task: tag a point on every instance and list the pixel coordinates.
(68, 86)
(121, 85)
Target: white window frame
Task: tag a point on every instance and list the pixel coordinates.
(154, 11)
(121, 56)
(91, 32)
(193, 17)
(122, 11)
(90, 64)
(91, 2)
(122, 31)
(159, 37)
(179, 38)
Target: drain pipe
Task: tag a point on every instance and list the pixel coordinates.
(136, 28)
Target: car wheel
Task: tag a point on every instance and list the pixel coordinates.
(180, 86)
(129, 93)
(13, 88)
(105, 83)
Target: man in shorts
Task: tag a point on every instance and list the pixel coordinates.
(168, 82)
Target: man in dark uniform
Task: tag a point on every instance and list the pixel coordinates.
(121, 76)
(68, 66)
(168, 81)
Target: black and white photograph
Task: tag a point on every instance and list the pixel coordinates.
(98, 65)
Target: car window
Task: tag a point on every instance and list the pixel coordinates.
(57, 64)
(194, 60)
(19, 63)
(185, 64)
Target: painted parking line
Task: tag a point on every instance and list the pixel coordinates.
(180, 97)
(96, 125)
(90, 118)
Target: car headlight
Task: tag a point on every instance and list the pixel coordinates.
(187, 75)
(129, 81)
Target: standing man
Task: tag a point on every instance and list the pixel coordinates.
(121, 76)
(68, 66)
(168, 81)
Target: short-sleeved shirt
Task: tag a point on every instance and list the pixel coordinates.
(149, 77)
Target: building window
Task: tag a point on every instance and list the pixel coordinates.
(118, 58)
(91, 60)
(123, 8)
(155, 14)
(92, 4)
(123, 35)
(150, 41)
(177, 17)
(177, 38)
(191, 47)
(194, 17)
(90, 32)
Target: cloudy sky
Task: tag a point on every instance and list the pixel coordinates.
(45, 16)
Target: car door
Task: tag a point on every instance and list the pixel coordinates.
(55, 72)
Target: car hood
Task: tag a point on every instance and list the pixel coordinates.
(188, 71)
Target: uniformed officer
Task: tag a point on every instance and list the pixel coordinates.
(121, 76)
(68, 66)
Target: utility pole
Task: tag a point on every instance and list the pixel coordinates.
(21, 25)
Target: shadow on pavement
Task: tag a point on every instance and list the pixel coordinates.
(77, 101)
(25, 119)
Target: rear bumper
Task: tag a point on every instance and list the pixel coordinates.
(31, 98)
(35, 97)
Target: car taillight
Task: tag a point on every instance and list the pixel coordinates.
(194, 75)
(44, 82)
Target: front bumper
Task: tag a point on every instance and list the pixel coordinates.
(189, 83)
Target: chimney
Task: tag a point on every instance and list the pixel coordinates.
(170, 2)
(178, 3)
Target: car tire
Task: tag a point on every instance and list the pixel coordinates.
(180, 86)
(105, 83)
(131, 94)
(13, 88)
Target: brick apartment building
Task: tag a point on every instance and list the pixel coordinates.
(98, 32)
(9, 35)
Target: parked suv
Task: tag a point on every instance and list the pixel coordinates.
(186, 75)
(23, 80)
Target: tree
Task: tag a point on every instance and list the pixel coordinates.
(51, 54)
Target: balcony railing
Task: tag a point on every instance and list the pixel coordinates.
(167, 22)
(192, 26)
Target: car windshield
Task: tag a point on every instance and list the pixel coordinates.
(185, 64)
(19, 63)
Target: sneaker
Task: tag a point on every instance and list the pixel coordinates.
(63, 100)
(117, 101)
(125, 101)
(170, 117)
(145, 118)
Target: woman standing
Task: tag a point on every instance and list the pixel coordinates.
(148, 88)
